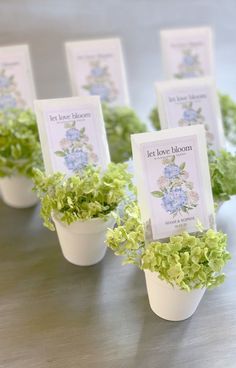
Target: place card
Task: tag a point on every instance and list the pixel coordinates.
(16, 79)
(190, 102)
(72, 134)
(173, 181)
(187, 53)
(96, 67)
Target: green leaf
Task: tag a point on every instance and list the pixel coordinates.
(60, 153)
(182, 166)
(157, 194)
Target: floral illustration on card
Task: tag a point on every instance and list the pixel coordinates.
(192, 116)
(174, 188)
(75, 148)
(99, 82)
(10, 96)
(190, 66)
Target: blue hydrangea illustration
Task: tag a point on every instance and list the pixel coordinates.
(76, 160)
(97, 71)
(188, 59)
(7, 102)
(174, 200)
(100, 90)
(75, 148)
(190, 66)
(4, 81)
(72, 134)
(171, 171)
(190, 115)
(174, 190)
(10, 96)
(99, 82)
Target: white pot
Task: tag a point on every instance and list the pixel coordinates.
(169, 302)
(83, 242)
(17, 191)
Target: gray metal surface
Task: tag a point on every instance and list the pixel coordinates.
(54, 314)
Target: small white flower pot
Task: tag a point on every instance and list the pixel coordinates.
(17, 192)
(169, 302)
(83, 242)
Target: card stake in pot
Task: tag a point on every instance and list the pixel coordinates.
(72, 134)
(190, 102)
(173, 181)
(187, 53)
(96, 67)
(17, 88)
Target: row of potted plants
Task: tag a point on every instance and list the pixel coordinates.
(82, 207)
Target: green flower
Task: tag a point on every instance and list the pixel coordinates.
(88, 194)
(20, 149)
(120, 122)
(188, 261)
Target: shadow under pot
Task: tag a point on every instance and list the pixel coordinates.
(83, 242)
(17, 191)
(168, 302)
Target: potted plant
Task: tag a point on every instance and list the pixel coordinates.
(177, 271)
(20, 152)
(80, 208)
(120, 122)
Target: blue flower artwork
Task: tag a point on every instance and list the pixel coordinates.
(174, 199)
(174, 188)
(7, 102)
(171, 171)
(99, 82)
(77, 160)
(75, 148)
(10, 96)
(190, 66)
(72, 134)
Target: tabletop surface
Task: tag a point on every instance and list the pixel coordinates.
(55, 314)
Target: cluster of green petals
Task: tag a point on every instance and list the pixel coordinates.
(188, 261)
(86, 195)
(121, 122)
(20, 149)
(223, 174)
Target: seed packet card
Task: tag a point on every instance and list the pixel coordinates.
(96, 67)
(191, 102)
(16, 79)
(72, 134)
(173, 181)
(187, 53)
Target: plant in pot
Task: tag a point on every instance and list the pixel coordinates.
(177, 271)
(20, 152)
(120, 122)
(80, 207)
